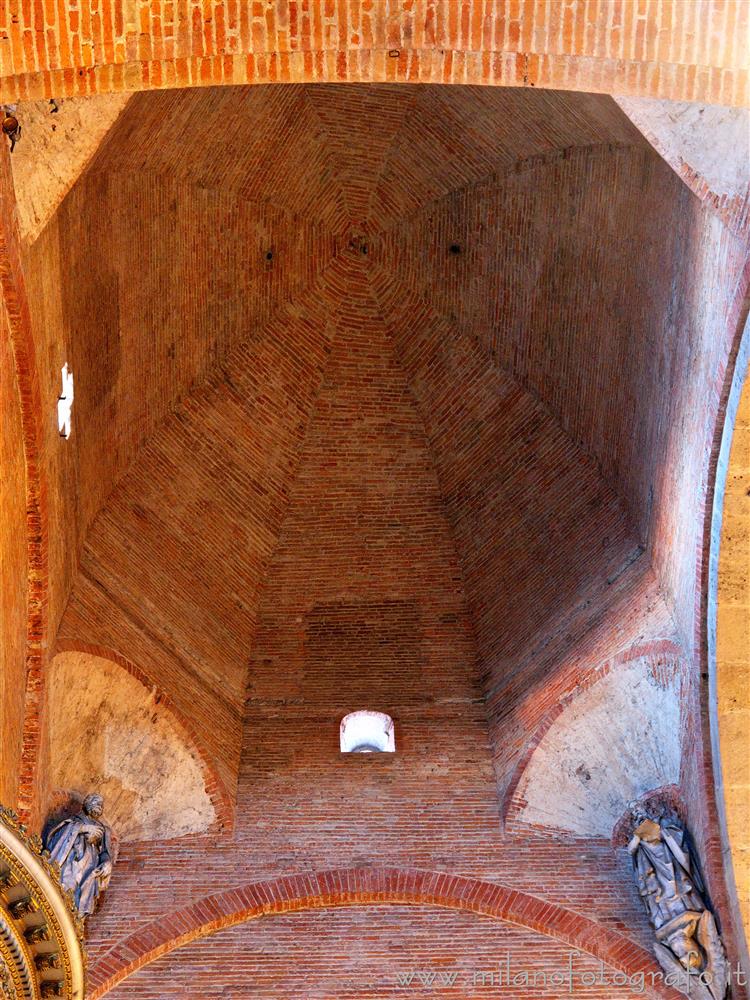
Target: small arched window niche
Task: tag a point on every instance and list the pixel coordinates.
(367, 732)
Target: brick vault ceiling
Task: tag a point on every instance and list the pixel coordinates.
(299, 309)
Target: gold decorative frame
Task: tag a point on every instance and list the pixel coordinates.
(41, 933)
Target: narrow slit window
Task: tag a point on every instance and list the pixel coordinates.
(65, 403)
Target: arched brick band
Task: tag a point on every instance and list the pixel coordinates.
(363, 887)
(687, 52)
(215, 787)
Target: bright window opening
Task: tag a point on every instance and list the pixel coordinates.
(65, 403)
(367, 732)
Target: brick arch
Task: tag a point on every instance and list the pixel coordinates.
(653, 51)
(215, 787)
(363, 887)
(574, 685)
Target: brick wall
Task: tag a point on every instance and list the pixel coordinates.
(24, 528)
(13, 572)
(371, 951)
(366, 886)
(363, 607)
(575, 351)
(684, 51)
(207, 219)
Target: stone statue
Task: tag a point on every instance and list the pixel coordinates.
(688, 946)
(85, 850)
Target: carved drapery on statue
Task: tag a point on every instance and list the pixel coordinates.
(85, 849)
(687, 946)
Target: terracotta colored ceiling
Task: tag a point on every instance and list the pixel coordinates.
(513, 258)
(391, 397)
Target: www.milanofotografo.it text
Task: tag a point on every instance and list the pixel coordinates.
(508, 974)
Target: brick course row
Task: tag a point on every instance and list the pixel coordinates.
(681, 51)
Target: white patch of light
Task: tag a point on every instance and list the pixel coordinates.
(65, 404)
(367, 732)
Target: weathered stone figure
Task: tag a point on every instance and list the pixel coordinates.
(84, 848)
(687, 946)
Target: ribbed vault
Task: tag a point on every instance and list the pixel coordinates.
(234, 236)
(387, 397)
